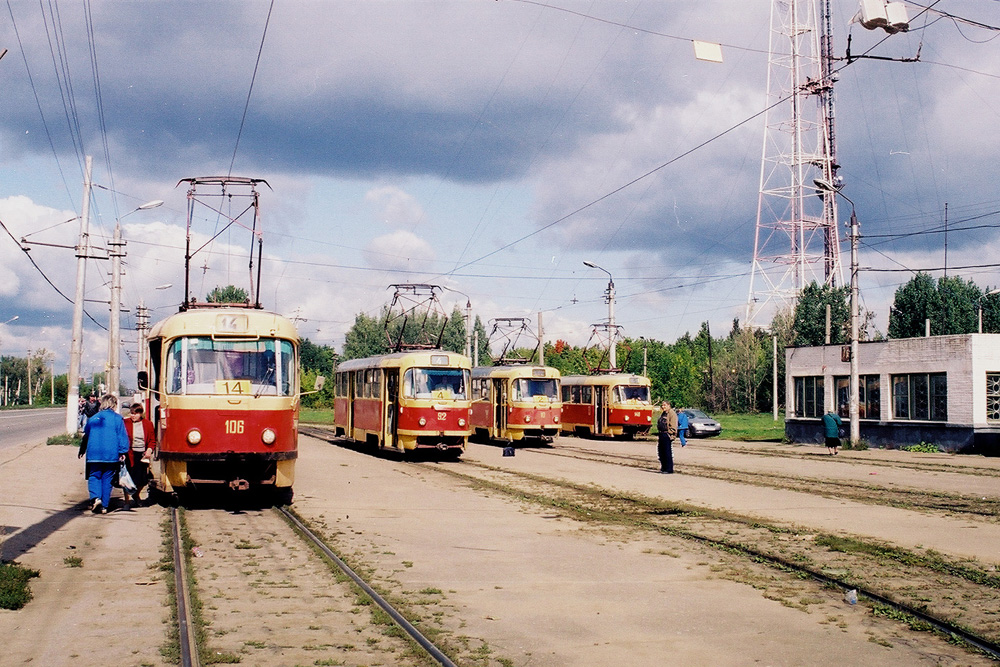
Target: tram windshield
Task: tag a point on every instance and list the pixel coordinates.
(626, 392)
(201, 365)
(436, 383)
(525, 389)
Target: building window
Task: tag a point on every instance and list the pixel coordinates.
(869, 396)
(920, 396)
(809, 396)
(993, 397)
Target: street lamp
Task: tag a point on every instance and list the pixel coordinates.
(114, 330)
(992, 291)
(609, 297)
(827, 186)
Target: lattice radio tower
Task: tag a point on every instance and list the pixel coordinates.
(796, 239)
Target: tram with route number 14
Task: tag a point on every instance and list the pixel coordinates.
(221, 380)
(226, 400)
(613, 404)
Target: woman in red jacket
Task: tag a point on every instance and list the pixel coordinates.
(141, 439)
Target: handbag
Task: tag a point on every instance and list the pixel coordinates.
(125, 480)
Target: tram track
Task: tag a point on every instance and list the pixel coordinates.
(924, 590)
(248, 563)
(970, 506)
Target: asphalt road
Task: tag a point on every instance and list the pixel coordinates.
(18, 427)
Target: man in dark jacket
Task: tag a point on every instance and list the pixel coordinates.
(105, 443)
(666, 427)
(90, 408)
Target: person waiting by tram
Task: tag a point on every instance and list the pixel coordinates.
(142, 439)
(104, 444)
(666, 427)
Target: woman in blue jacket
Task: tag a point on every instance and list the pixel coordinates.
(105, 442)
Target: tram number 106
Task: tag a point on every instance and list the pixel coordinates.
(234, 427)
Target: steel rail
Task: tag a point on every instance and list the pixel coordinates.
(406, 626)
(991, 649)
(186, 634)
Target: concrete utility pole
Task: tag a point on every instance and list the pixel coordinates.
(29, 376)
(609, 297)
(76, 349)
(114, 326)
(116, 252)
(541, 341)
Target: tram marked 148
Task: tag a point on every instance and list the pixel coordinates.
(516, 402)
(614, 404)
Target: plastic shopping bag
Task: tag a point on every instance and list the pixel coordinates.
(125, 480)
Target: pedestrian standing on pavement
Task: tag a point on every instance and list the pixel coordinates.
(141, 438)
(91, 408)
(832, 424)
(105, 443)
(666, 431)
(81, 415)
(682, 427)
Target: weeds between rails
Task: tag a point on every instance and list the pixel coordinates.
(251, 554)
(871, 494)
(929, 590)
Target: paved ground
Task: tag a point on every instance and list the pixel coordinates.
(536, 588)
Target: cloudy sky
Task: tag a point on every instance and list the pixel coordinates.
(488, 146)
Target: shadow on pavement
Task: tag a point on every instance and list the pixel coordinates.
(14, 545)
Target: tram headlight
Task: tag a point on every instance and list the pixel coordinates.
(461, 421)
(626, 417)
(268, 436)
(422, 421)
(194, 436)
(555, 419)
(527, 419)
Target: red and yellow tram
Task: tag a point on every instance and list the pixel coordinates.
(516, 402)
(225, 399)
(406, 401)
(616, 404)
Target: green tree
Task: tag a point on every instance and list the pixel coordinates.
(951, 304)
(365, 338)
(912, 304)
(228, 294)
(810, 315)
(955, 310)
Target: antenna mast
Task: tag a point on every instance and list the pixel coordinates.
(796, 239)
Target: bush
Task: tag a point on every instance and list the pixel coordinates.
(14, 590)
(923, 447)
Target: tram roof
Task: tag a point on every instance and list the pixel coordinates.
(408, 358)
(514, 372)
(606, 379)
(225, 322)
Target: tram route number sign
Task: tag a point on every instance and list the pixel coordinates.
(237, 387)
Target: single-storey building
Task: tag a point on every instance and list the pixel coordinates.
(941, 390)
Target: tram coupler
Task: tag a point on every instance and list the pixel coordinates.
(442, 447)
(239, 485)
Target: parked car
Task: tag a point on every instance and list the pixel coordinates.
(700, 425)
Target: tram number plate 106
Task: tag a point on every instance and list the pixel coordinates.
(238, 387)
(234, 426)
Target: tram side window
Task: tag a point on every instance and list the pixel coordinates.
(587, 395)
(484, 389)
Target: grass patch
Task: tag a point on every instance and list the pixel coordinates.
(73, 561)
(316, 416)
(14, 589)
(65, 439)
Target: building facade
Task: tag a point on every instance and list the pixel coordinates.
(941, 390)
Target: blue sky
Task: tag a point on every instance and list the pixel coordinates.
(415, 141)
